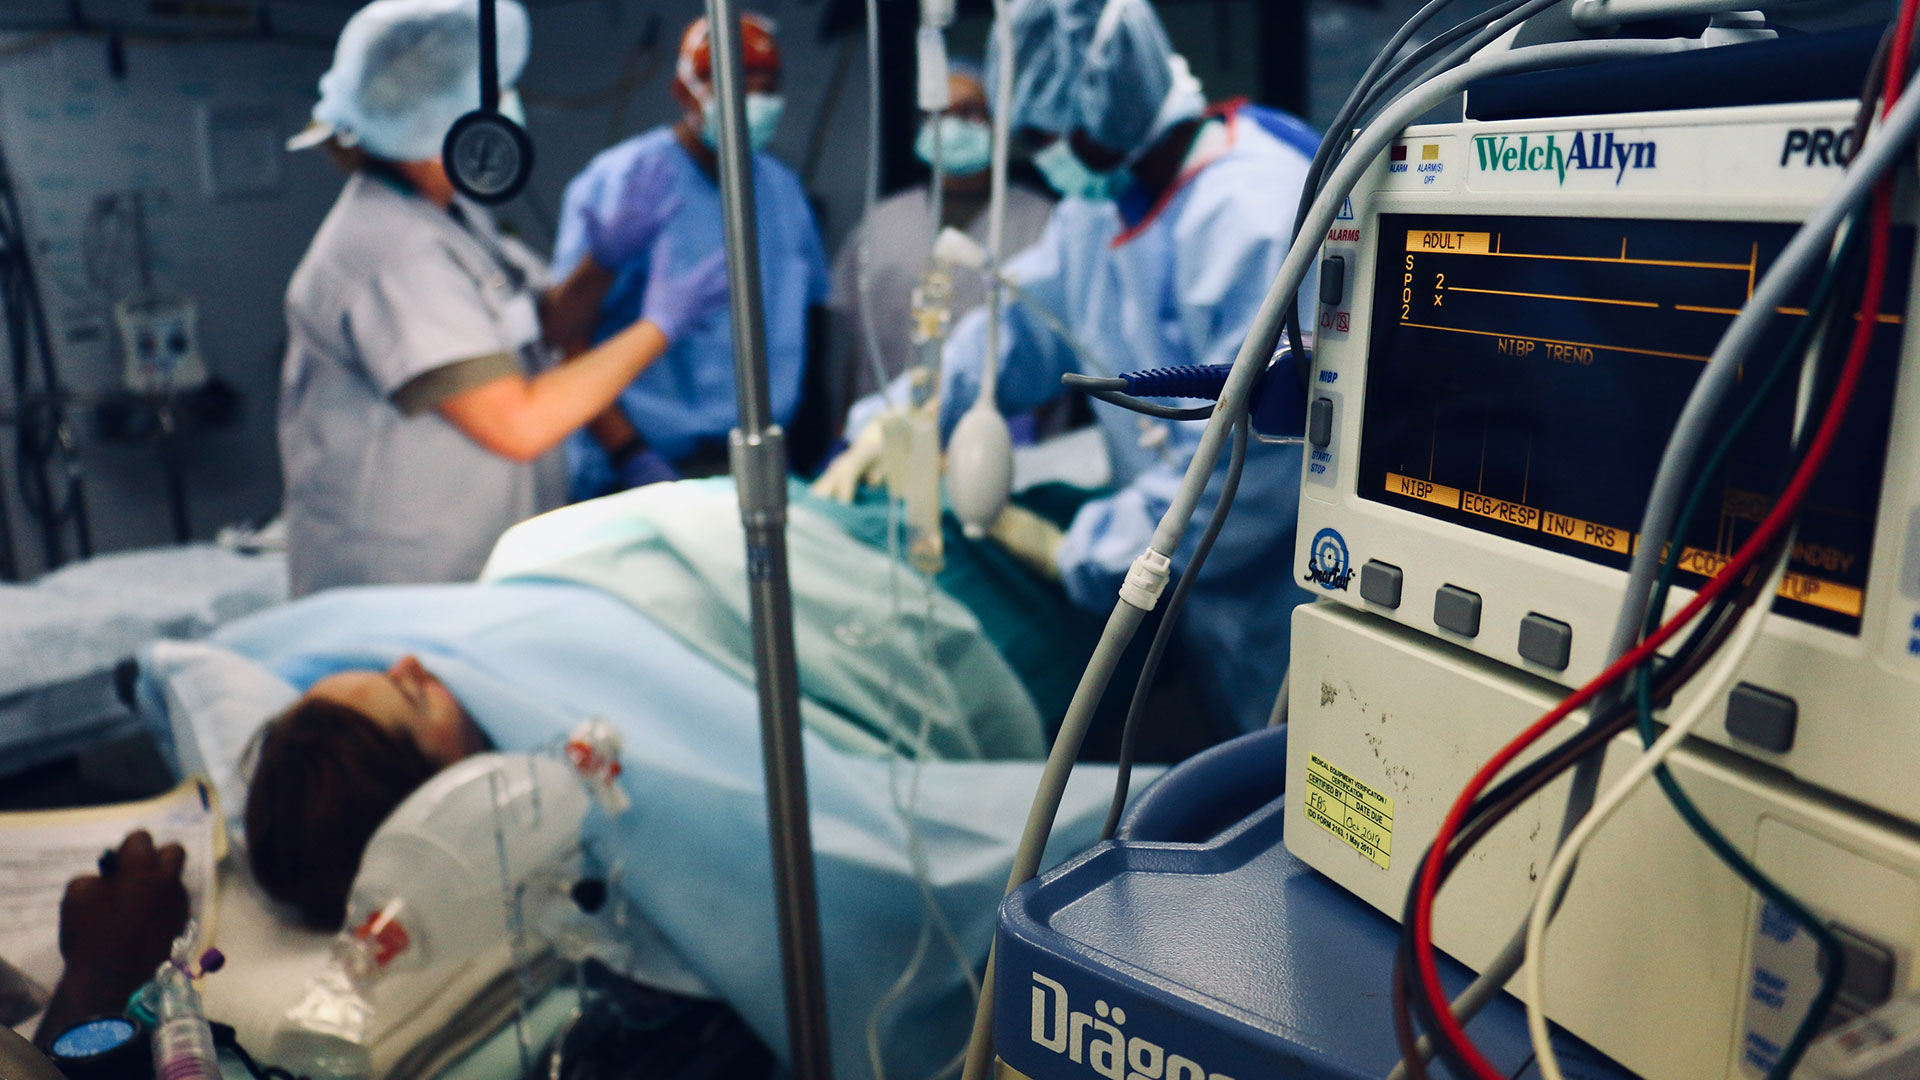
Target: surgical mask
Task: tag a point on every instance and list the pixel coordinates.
(763, 119)
(1069, 176)
(966, 146)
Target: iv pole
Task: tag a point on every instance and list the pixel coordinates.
(759, 459)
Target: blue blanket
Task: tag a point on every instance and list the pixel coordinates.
(885, 659)
(531, 660)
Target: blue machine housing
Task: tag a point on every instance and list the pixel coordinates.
(1196, 947)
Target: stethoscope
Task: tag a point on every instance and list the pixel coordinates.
(488, 157)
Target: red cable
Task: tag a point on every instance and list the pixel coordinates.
(1897, 56)
(1776, 520)
(1781, 514)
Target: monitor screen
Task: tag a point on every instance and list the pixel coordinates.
(1525, 373)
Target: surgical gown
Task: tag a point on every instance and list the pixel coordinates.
(684, 402)
(1179, 287)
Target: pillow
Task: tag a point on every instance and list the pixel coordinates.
(214, 701)
(458, 970)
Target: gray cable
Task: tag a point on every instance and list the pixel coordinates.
(1251, 361)
(1584, 783)
(1342, 123)
(1367, 90)
(1280, 701)
(1073, 380)
(1148, 408)
(1114, 639)
(1150, 668)
(1810, 244)
(1114, 392)
(1493, 24)
(1484, 988)
(1389, 68)
(1248, 366)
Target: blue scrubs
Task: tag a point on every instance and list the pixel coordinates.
(1180, 287)
(685, 400)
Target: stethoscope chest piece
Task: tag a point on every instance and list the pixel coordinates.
(489, 158)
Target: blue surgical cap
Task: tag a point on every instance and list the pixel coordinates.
(1104, 67)
(405, 70)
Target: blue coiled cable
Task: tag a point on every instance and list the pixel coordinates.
(1186, 381)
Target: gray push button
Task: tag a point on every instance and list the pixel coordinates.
(1380, 583)
(1457, 609)
(1320, 422)
(1547, 642)
(1762, 717)
(1333, 280)
(1910, 576)
(1869, 977)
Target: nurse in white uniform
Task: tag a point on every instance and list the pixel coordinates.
(419, 409)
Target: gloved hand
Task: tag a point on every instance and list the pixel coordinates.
(857, 465)
(626, 221)
(1030, 538)
(678, 301)
(864, 461)
(641, 469)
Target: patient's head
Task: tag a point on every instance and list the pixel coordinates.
(331, 768)
(407, 700)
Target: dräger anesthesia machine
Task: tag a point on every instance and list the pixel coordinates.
(1575, 366)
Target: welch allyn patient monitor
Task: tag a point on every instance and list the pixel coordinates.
(1512, 315)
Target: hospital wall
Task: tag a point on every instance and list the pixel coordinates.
(195, 126)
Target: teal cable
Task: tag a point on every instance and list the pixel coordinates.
(1683, 805)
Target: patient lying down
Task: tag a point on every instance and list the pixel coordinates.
(333, 766)
(329, 770)
(630, 612)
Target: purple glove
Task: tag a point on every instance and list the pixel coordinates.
(643, 468)
(629, 215)
(680, 300)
